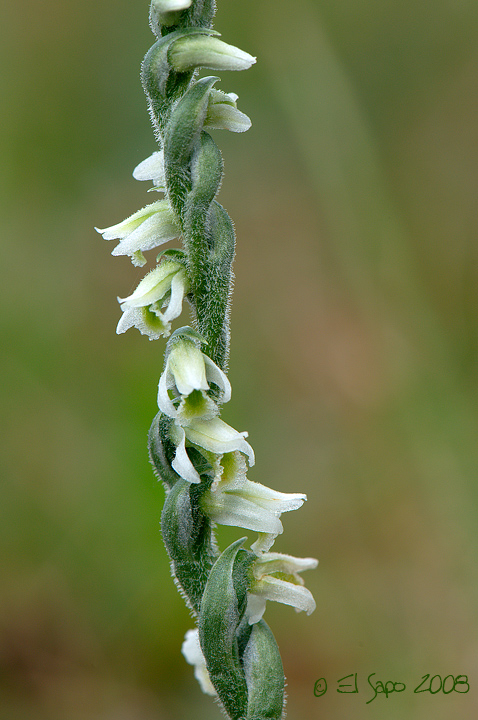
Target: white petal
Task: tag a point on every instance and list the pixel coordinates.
(272, 562)
(191, 650)
(128, 320)
(151, 169)
(164, 401)
(171, 5)
(205, 51)
(179, 286)
(263, 543)
(147, 323)
(272, 500)
(186, 364)
(181, 463)
(216, 375)
(153, 286)
(255, 608)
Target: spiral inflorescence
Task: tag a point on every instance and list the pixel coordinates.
(202, 461)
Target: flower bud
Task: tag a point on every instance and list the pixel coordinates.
(190, 52)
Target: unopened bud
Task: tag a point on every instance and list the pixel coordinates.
(190, 52)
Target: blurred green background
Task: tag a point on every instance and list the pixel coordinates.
(354, 353)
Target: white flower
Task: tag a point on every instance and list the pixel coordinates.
(143, 308)
(235, 500)
(222, 113)
(152, 169)
(191, 650)
(188, 372)
(214, 436)
(192, 51)
(148, 228)
(276, 578)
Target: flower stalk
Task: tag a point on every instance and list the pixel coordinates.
(202, 461)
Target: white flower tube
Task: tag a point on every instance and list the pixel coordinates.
(276, 578)
(218, 437)
(235, 500)
(168, 12)
(213, 436)
(148, 228)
